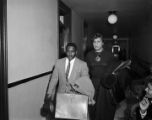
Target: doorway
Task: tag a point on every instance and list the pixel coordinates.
(64, 27)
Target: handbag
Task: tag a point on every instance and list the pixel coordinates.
(45, 108)
(71, 106)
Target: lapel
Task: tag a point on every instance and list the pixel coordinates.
(63, 67)
(73, 72)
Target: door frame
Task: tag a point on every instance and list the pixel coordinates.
(64, 28)
(3, 61)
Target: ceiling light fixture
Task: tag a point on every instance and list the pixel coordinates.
(115, 37)
(112, 18)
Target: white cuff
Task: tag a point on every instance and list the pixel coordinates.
(143, 114)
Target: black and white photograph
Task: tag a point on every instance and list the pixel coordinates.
(76, 60)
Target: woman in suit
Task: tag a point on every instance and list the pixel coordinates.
(101, 63)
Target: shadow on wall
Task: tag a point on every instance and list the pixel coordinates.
(140, 67)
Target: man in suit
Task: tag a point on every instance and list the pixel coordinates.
(69, 73)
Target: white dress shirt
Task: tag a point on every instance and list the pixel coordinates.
(71, 65)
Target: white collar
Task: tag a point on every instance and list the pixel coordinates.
(71, 65)
(72, 61)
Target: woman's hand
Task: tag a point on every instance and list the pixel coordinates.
(91, 101)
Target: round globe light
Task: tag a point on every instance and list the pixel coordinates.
(115, 37)
(112, 18)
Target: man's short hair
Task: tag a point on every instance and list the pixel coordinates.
(98, 35)
(71, 44)
(148, 80)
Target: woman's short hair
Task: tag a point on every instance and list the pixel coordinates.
(148, 80)
(98, 35)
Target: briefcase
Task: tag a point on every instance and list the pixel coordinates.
(71, 106)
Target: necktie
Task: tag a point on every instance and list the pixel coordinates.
(67, 70)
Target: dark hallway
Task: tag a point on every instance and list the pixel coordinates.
(34, 34)
(133, 24)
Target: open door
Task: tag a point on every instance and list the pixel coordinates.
(64, 27)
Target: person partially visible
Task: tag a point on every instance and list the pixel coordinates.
(126, 109)
(69, 76)
(100, 63)
(145, 105)
(129, 108)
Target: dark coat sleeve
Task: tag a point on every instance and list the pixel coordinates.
(109, 78)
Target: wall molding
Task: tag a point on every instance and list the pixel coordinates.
(10, 85)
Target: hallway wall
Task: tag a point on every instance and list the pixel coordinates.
(32, 36)
(141, 41)
(78, 32)
(25, 100)
(32, 28)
